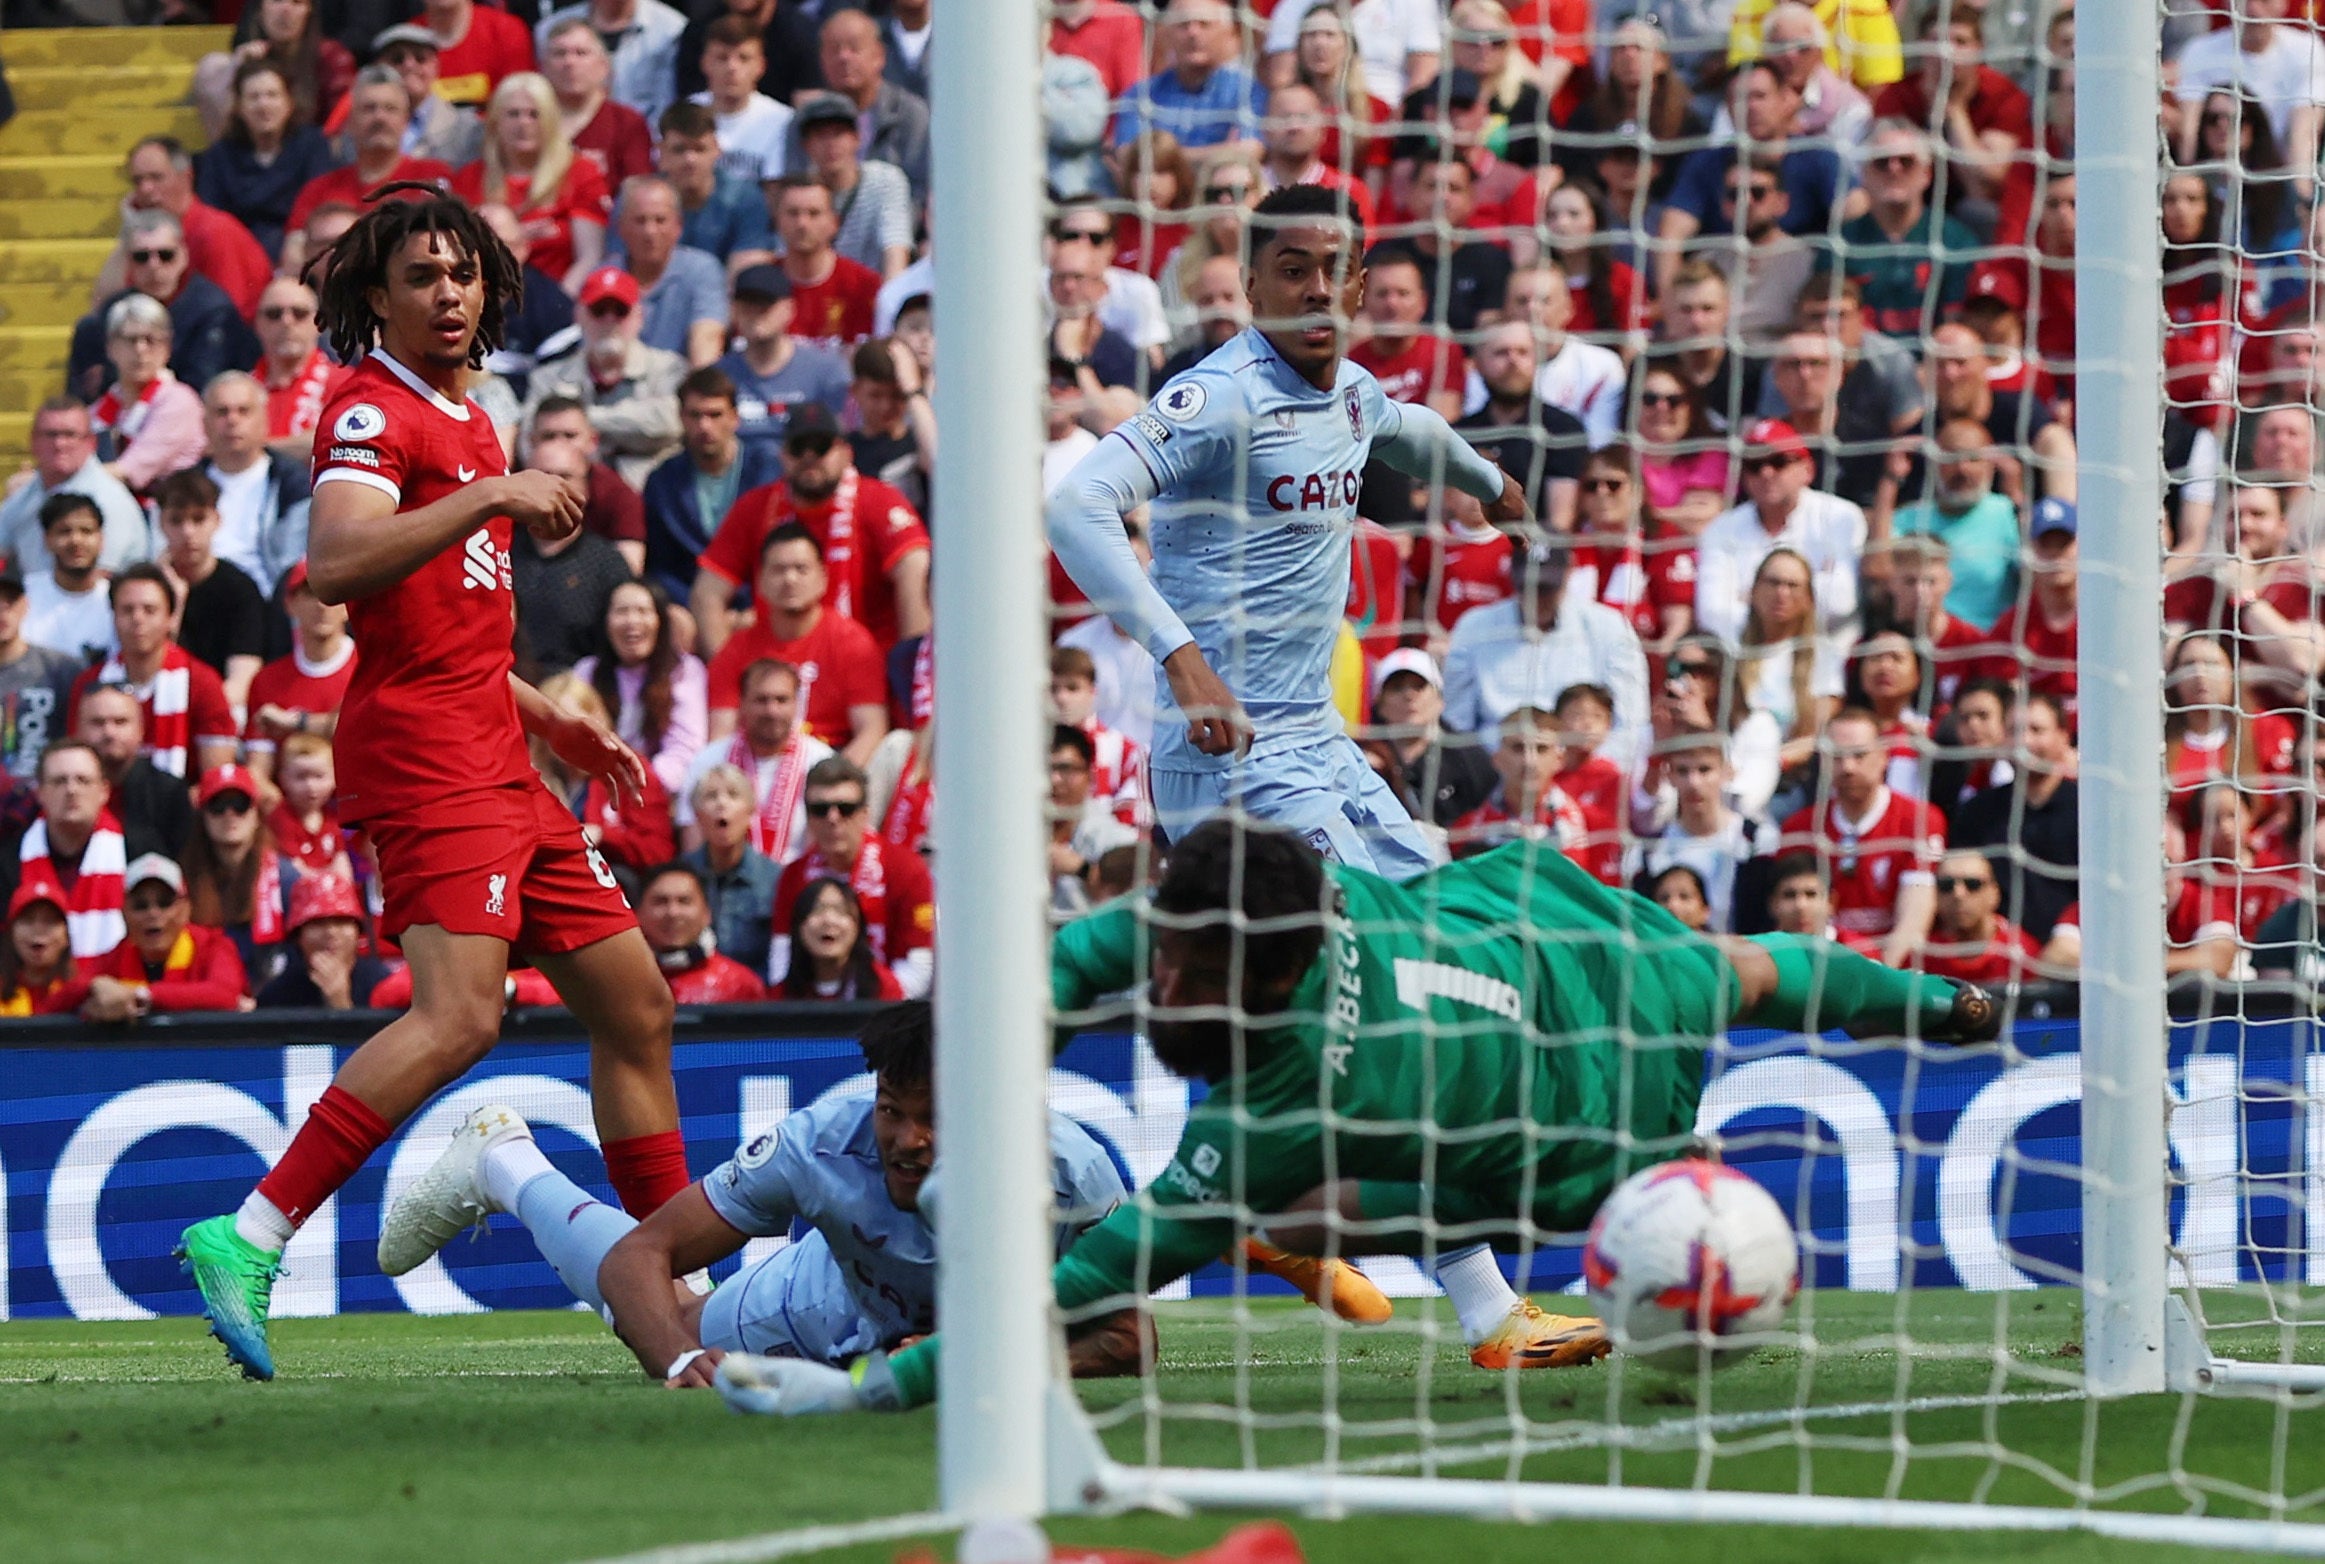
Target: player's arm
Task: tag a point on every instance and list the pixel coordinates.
(1419, 443)
(580, 741)
(358, 543)
(1095, 955)
(682, 1237)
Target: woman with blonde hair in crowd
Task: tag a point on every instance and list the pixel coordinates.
(1484, 41)
(1783, 666)
(529, 166)
(1231, 185)
(1326, 61)
(1158, 180)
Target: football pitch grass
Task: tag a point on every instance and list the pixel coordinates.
(530, 1436)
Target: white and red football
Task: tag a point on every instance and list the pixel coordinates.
(1690, 1263)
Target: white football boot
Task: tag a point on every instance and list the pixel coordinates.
(449, 1198)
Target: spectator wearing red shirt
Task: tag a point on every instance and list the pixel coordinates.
(304, 824)
(1118, 763)
(2041, 287)
(1970, 940)
(379, 112)
(1411, 364)
(875, 550)
(78, 845)
(560, 198)
(831, 955)
(2265, 592)
(613, 136)
(292, 367)
(1982, 118)
(478, 48)
(1107, 34)
(300, 693)
(1599, 787)
(1644, 572)
(2034, 642)
(1951, 649)
(843, 680)
(167, 963)
(1293, 136)
(2221, 893)
(1529, 805)
(832, 297)
(632, 833)
(674, 915)
(161, 178)
(891, 887)
(1876, 844)
(189, 727)
(2210, 730)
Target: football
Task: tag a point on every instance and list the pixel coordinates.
(1690, 1261)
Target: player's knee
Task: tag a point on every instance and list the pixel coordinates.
(460, 1029)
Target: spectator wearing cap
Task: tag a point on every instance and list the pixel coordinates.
(894, 122)
(1438, 782)
(155, 810)
(627, 390)
(738, 879)
(2015, 420)
(35, 684)
(612, 511)
(168, 963)
(1813, 180)
(326, 967)
(36, 954)
(300, 692)
(873, 198)
(76, 843)
(379, 117)
(563, 584)
(875, 550)
(774, 372)
(683, 292)
(64, 461)
(263, 495)
(1202, 97)
(440, 129)
(674, 913)
(689, 494)
(189, 724)
(1525, 650)
(845, 701)
(234, 878)
(69, 607)
(2036, 640)
(751, 127)
(643, 37)
(611, 134)
(1910, 261)
(719, 213)
(832, 295)
(222, 613)
(1779, 510)
(1860, 38)
(1979, 527)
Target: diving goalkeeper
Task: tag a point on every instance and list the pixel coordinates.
(1477, 1054)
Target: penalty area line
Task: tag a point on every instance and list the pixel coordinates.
(793, 1544)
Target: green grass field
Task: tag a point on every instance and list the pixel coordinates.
(520, 1437)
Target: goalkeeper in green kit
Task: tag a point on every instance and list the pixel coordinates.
(1477, 1054)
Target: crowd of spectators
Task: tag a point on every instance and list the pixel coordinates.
(1769, 307)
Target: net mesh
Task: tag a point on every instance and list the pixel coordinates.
(1772, 316)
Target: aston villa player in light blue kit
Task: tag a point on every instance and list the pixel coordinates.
(1251, 463)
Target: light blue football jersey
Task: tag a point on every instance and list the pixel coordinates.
(822, 1167)
(1259, 473)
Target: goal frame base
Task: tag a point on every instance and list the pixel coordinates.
(2191, 1366)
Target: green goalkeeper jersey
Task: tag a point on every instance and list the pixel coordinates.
(1501, 1039)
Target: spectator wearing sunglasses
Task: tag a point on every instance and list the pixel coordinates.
(1767, 272)
(1909, 258)
(1133, 306)
(200, 332)
(628, 389)
(292, 368)
(234, 880)
(1969, 939)
(892, 888)
(168, 963)
(1779, 510)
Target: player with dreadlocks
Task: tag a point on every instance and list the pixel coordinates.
(410, 526)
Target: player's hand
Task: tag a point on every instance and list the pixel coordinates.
(547, 506)
(1509, 508)
(700, 1372)
(1216, 723)
(588, 746)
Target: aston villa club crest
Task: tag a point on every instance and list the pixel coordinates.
(1353, 400)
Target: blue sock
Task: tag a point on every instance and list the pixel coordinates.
(574, 1229)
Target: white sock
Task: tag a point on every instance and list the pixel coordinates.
(261, 1224)
(508, 1167)
(1481, 1295)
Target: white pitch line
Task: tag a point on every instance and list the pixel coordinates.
(1673, 1433)
(792, 1544)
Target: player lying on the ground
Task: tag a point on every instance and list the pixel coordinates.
(1495, 1044)
(413, 511)
(853, 1167)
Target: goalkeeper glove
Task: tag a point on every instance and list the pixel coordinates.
(792, 1387)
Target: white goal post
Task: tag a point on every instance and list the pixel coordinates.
(1014, 1442)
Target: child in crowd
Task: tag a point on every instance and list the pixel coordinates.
(304, 824)
(1118, 774)
(1528, 804)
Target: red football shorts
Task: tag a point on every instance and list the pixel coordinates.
(507, 862)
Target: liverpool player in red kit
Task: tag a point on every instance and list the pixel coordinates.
(410, 527)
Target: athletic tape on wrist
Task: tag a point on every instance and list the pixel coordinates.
(678, 1364)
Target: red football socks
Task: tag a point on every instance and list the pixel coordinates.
(339, 1133)
(647, 1170)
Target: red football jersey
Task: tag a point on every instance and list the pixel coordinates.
(1424, 366)
(1597, 785)
(1376, 589)
(1557, 819)
(865, 528)
(428, 713)
(1900, 840)
(2193, 765)
(1954, 654)
(718, 981)
(836, 313)
(1467, 569)
(2198, 602)
(349, 188)
(899, 899)
(495, 47)
(2034, 649)
(838, 665)
(295, 684)
(2217, 895)
(1640, 581)
(2008, 957)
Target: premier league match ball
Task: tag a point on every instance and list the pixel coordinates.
(1690, 1261)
